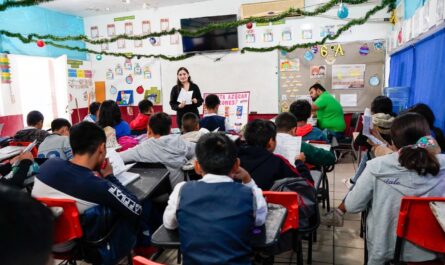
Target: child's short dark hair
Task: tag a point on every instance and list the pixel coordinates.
(86, 137)
(285, 122)
(94, 107)
(26, 228)
(301, 109)
(211, 101)
(382, 104)
(259, 132)
(145, 105)
(317, 86)
(58, 123)
(190, 122)
(34, 117)
(216, 153)
(160, 123)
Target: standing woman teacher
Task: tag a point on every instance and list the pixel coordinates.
(184, 84)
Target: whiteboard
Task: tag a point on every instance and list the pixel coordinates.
(235, 72)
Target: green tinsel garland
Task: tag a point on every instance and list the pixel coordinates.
(291, 12)
(8, 4)
(353, 22)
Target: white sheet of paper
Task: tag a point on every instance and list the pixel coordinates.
(185, 96)
(288, 146)
(117, 163)
(348, 100)
(126, 178)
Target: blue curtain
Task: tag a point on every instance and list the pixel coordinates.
(422, 67)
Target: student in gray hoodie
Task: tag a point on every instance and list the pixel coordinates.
(57, 144)
(162, 147)
(417, 169)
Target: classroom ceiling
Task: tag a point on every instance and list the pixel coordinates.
(85, 8)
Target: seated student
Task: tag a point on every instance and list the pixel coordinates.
(211, 121)
(76, 179)
(190, 128)
(57, 144)
(26, 229)
(16, 171)
(216, 213)
(94, 111)
(258, 159)
(139, 125)
(110, 115)
(34, 131)
(286, 124)
(301, 109)
(428, 114)
(417, 169)
(162, 147)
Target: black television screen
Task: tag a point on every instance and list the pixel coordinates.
(216, 40)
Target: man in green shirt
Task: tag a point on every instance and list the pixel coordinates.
(329, 111)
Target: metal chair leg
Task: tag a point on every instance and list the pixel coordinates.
(309, 249)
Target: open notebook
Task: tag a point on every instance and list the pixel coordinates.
(120, 170)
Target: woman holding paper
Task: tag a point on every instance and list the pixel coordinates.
(185, 96)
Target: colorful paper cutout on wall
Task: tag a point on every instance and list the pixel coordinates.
(94, 32)
(111, 30)
(5, 69)
(128, 65)
(318, 71)
(164, 24)
(129, 28)
(345, 76)
(121, 43)
(119, 70)
(113, 90)
(129, 79)
(124, 97)
(110, 75)
(286, 35)
(306, 34)
(290, 65)
(137, 69)
(308, 55)
(153, 94)
(146, 27)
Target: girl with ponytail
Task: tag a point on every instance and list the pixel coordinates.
(417, 169)
(428, 114)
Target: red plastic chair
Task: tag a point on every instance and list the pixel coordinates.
(418, 225)
(138, 260)
(289, 200)
(34, 150)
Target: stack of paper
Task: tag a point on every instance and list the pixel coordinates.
(10, 151)
(185, 96)
(288, 146)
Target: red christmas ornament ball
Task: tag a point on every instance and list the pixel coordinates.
(249, 25)
(40, 43)
(140, 89)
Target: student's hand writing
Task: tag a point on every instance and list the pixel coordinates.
(182, 105)
(106, 168)
(194, 100)
(301, 157)
(242, 175)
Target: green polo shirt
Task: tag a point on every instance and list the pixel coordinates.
(330, 113)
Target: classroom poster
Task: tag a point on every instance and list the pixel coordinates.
(154, 95)
(318, 71)
(124, 98)
(234, 107)
(345, 76)
(289, 65)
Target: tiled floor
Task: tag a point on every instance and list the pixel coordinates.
(340, 246)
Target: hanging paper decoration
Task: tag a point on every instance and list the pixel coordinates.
(339, 50)
(140, 89)
(118, 70)
(286, 35)
(314, 49)
(364, 50)
(378, 45)
(147, 72)
(152, 41)
(283, 52)
(137, 69)
(129, 79)
(324, 51)
(250, 36)
(40, 43)
(153, 94)
(330, 59)
(308, 55)
(113, 90)
(4, 66)
(110, 75)
(128, 65)
(124, 98)
(249, 25)
(343, 11)
(99, 57)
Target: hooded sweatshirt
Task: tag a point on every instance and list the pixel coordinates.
(29, 134)
(309, 132)
(266, 167)
(56, 145)
(380, 189)
(169, 150)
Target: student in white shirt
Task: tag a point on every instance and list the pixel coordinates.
(216, 205)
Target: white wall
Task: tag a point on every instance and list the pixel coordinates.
(166, 80)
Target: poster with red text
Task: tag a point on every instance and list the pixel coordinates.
(234, 107)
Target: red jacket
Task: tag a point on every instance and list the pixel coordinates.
(140, 123)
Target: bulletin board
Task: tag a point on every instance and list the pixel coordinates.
(352, 72)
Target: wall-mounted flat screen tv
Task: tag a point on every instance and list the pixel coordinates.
(216, 40)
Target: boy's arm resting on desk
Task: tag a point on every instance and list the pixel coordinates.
(317, 156)
(261, 205)
(113, 194)
(135, 155)
(358, 198)
(169, 218)
(19, 176)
